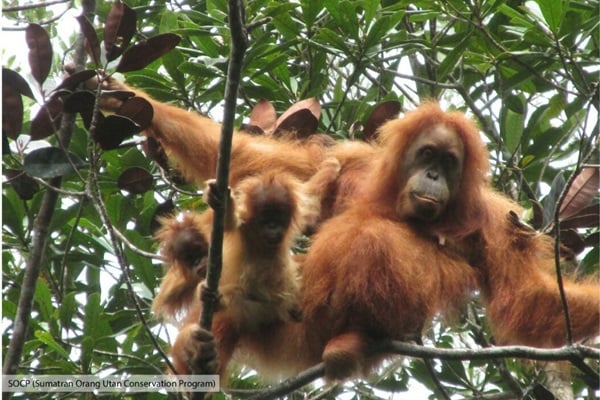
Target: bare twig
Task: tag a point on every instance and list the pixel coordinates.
(35, 5)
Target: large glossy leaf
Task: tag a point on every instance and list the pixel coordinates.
(72, 81)
(47, 120)
(553, 12)
(138, 110)
(112, 130)
(40, 52)
(586, 217)
(12, 111)
(381, 113)
(584, 188)
(51, 162)
(92, 44)
(16, 81)
(24, 185)
(141, 54)
(135, 180)
(81, 102)
(119, 29)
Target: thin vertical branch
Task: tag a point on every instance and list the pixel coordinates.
(239, 42)
(561, 199)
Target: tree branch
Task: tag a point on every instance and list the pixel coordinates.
(239, 42)
(573, 353)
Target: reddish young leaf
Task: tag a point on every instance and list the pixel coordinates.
(47, 120)
(582, 191)
(299, 125)
(81, 102)
(252, 129)
(118, 30)
(537, 220)
(40, 52)
(263, 116)
(112, 130)
(120, 95)
(586, 217)
(141, 54)
(92, 44)
(71, 81)
(311, 104)
(12, 111)
(16, 81)
(139, 110)
(382, 113)
(135, 180)
(24, 185)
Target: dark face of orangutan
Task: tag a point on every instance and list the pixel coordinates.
(272, 209)
(431, 173)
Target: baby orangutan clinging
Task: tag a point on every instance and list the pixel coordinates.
(184, 246)
(259, 284)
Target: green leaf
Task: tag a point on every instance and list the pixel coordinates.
(172, 61)
(512, 122)
(283, 21)
(43, 298)
(168, 21)
(310, 10)
(48, 340)
(327, 36)
(553, 12)
(207, 45)
(515, 16)
(51, 162)
(95, 323)
(378, 31)
(344, 14)
(13, 214)
(452, 58)
(68, 310)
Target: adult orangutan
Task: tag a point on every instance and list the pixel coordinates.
(428, 191)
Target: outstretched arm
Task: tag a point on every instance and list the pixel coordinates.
(190, 139)
(191, 142)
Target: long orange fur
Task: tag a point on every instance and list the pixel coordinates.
(384, 289)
